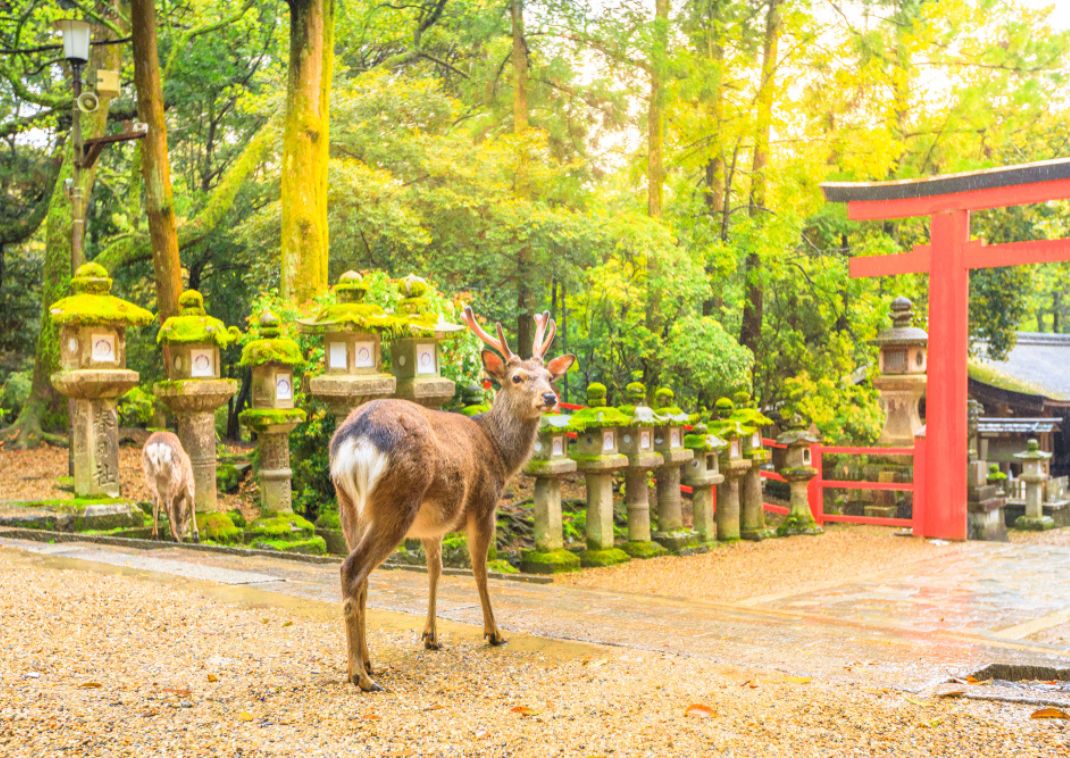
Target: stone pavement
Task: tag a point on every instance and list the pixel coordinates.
(917, 625)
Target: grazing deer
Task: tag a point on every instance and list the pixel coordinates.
(402, 470)
(169, 475)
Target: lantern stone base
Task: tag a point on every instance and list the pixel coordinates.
(75, 515)
(220, 527)
(794, 524)
(637, 498)
(681, 542)
(1059, 513)
(642, 550)
(344, 392)
(752, 515)
(595, 558)
(1034, 523)
(430, 391)
(193, 402)
(557, 561)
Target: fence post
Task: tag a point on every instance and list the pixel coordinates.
(917, 514)
(816, 488)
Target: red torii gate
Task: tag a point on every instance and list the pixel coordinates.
(948, 259)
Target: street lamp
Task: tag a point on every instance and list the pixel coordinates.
(76, 35)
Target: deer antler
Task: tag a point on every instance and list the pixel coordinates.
(498, 344)
(544, 325)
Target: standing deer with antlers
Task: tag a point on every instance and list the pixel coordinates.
(402, 470)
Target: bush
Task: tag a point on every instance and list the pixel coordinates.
(14, 393)
(137, 408)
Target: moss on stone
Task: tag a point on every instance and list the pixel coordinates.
(995, 378)
(549, 561)
(793, 525)
(643, 549)
(193, 324)
(279, 525)
(605, 557)
(275, 350)
(259, 419)
(219, 527)
(1034, 523)
(343, 316)
(314, 545)
(85, 309)
(501, 566)
(598, 417)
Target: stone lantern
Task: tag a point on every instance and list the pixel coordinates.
(414, 358)
(92, 338)
(637, 442)
(193, 389)
(1034, 474)
(702, 474)
(733, 466)
(901, 383)
(352, 347)
(752, 514)
(548, 464)
(669, 442)
(597, 455)
(273, 416)
(798, 470)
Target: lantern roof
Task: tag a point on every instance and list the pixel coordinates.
(271, 348)
(349, 312)
(193, 324)
(700, 438)
(597, 413)
(902, 333)
(417, 308)
(558, 422)
(92, 303)
(1032, 452)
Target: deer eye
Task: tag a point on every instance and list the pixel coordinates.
(517, 378)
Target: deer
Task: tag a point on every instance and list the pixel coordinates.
(401, 470)
(169, 476)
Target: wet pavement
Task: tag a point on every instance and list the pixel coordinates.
(916, 624)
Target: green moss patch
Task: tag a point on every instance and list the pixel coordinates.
(218, 527)
(607, 557)
(643, 550)
(85, 309)
(313, 545)
(549, 561)
(792, 525)
(501, 566)
(277, 350)
(1034, 524)
(279, 526)
(259, 419)
(329, 520)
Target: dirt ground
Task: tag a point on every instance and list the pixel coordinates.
(100, 661)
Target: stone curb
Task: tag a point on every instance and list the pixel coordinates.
(41, 535)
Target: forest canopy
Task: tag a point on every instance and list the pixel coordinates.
(648, 171)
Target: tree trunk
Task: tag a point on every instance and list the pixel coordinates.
(655, 169)
(155, 164)
(715, 174)
(306, 139)
(525, 287)
(44, 403)
(754, 301)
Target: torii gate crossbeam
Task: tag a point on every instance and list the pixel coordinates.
(948, 259)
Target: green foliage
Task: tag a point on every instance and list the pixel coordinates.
(137, 408)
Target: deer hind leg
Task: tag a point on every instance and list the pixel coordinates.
(173, 504)
(192, 506)
(377, 541)
(156, 503)
(433, 551)
(480, 533)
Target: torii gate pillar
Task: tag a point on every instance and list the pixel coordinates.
(948, 259)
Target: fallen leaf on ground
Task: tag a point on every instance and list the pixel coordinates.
(797, 679)
(91, 685)
(523, 710)
(245, 716)
(180, 691)
(213, 678)
(698, 710)
(949, 691)
(971, 679)
(915, 701)
(1050, 713)
(932, 724)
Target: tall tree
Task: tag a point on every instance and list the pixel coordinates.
(525, 290)
(305, 149)
(754, 300)
(155, 163)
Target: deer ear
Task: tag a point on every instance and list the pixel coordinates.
(494, 366)
(560, 365)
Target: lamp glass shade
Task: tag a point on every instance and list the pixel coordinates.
(75, 39)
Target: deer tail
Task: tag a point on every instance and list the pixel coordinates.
(356, 467)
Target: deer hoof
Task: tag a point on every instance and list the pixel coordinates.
(196, 538)
(431, 641)
(495, 638)
(366, 684)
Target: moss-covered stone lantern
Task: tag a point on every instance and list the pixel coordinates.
(752, 514)
(901, 383)
(548, 464)
(597, 455)
(272, 417)
(352, 347)
(193, 389)
(637, 442)
(798, 470)
(702, 474)
(669, 442)
(1034, 474)
(733, 466)
(92, 345)
(414, 358)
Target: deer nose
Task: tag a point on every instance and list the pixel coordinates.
(549, 399)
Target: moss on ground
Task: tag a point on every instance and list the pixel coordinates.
(279, 526)
(549, 561)
(606, 557)
(501, 566)
(218, 527)
(313, 545)
(643, 549)
(792, 525)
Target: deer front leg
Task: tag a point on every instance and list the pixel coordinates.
(480, 533)
(433, 552)
(156, 502)
(172, 518)
(192, 505)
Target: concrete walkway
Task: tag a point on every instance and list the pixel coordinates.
(919, 625)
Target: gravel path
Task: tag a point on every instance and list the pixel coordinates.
(102, 661)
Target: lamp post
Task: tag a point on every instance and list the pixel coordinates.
(76, 43)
